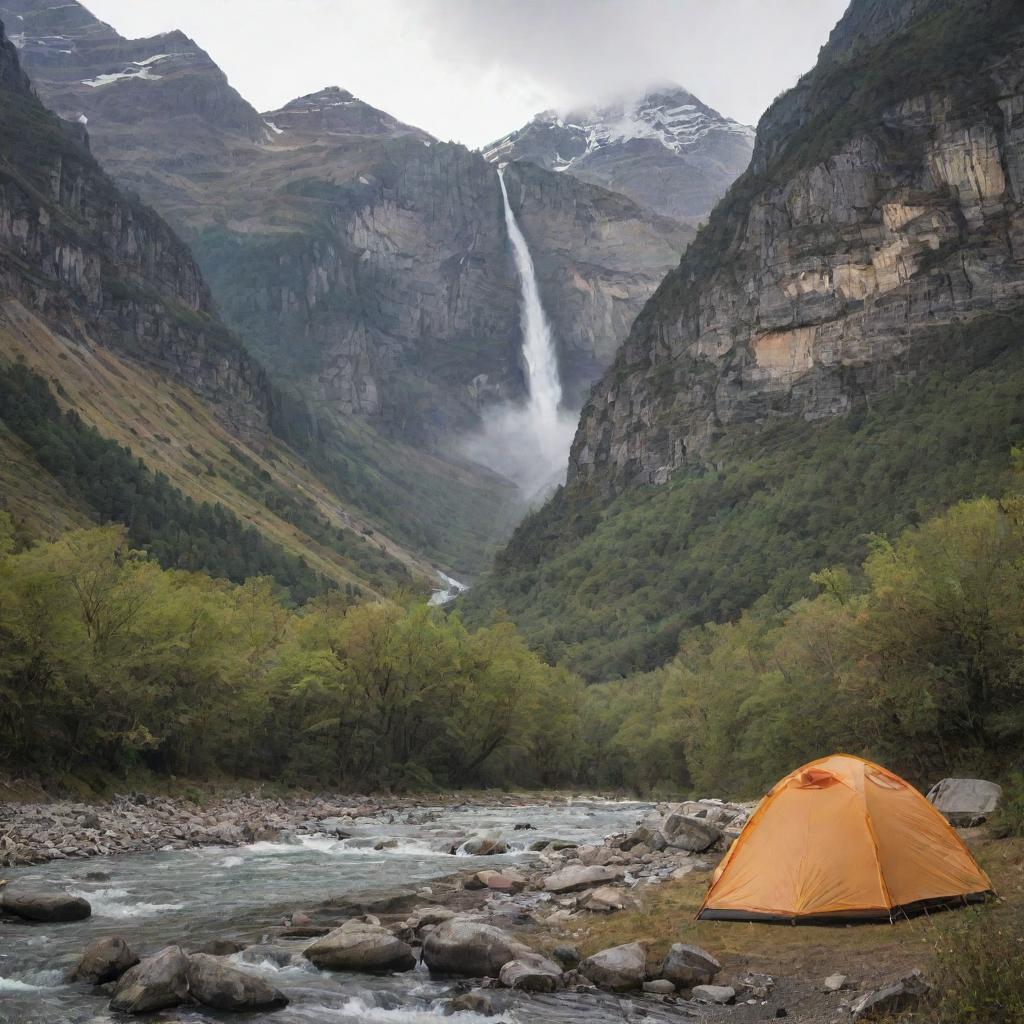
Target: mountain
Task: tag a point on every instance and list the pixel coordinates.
(110, 341)
(838, 353)
(365, 263)
(666, 149)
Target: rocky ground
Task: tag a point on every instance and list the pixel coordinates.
(608, 929)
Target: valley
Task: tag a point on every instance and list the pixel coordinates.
(503, 567)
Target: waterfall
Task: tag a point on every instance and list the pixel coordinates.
(545, 389)
(528, 443)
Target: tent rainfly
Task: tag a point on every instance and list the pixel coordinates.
(842, 839)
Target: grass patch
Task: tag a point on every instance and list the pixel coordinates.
(961, 951)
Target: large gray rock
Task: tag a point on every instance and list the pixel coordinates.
(44, 906)
(965, 802)
(485, 845)
(573, 878)
(104, 960)
(531, 972)
(620, 968)
(686, 833)
(721, 994)
(213, 983)
(357, 946)
(687, 966)
(156, 983)
(471, 949)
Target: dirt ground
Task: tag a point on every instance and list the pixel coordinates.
(800, 958)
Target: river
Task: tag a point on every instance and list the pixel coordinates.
(193, 896)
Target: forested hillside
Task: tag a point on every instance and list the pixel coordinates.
(838, 353)
(111, 667)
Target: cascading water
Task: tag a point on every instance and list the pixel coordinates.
(528, 443)
(538, 348)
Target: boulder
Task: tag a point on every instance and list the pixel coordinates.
(659, 987)
(657, 842)
(104, 960)
(691, 834)
(620, 968)
(156, 983)
(44, 906)
(604, 899)
(687, 966)
(835, 982)
(721, 994)
(358, 946)
(965, 802)
(640, 836)
(567, 956)
(474, 1001)
(577, 877)
(531, 972)
(501, 881)
(213, 983)
(488, 844)
(475, 950)
(891, 999)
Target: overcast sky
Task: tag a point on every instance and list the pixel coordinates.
(473, 70)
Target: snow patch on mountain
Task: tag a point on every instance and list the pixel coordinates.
(671, 116)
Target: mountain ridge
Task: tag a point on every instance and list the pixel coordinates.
(665, 148)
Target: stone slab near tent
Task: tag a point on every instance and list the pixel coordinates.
(965, 802)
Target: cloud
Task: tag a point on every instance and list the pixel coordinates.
(472, 70)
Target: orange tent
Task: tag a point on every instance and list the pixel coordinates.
(842, 838)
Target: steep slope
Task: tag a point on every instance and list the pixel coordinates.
(366, 264)
(869, 266)
(364, 261)
(99, 295)
(665, 149)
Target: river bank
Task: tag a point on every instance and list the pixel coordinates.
(561, 879)
(39, 831)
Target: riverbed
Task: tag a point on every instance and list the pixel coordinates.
(194, 896)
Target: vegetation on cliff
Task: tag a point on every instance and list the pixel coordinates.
(608, 590)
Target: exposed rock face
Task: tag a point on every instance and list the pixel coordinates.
(595, 254)
(365, 262)
(666, 150)
(866, 221)
(74, 248)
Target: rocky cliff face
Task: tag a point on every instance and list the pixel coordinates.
(595, 252)
(878, 208)
(87, 258)
(667, 150)
(366, 263)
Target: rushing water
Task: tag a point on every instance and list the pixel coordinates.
(190, 897)
(449, 590)
(528, 443)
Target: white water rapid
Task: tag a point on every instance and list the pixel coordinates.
(528, 443)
